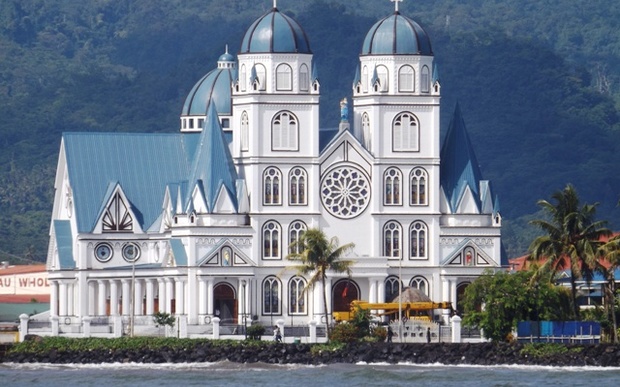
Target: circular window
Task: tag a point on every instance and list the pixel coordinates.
(103, 252)
(131, 252)
(345, 192)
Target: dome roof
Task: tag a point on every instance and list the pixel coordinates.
(214, 87)
(275, 32)
(396, 35)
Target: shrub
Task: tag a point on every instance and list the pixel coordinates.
(344, 333)
(255, 331)
(164, 319)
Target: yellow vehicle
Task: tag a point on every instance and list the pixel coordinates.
(410, 310)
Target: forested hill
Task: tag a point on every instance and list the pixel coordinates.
(538, 83)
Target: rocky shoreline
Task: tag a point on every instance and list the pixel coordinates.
(601, 355)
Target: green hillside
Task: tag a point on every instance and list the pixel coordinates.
(538, 83)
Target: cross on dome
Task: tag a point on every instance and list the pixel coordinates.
(275, 3)
(393, 1)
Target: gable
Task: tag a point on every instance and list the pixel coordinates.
(225, 254)
(469, 255)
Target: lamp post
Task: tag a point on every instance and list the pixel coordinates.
(245, 330)
(400, 299)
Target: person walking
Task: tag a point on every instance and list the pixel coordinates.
(390, 334)
(277, 336)
(428, 335)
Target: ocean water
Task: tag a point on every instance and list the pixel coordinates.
(233, 374)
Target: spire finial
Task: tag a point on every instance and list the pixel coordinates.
(275, 3)
(227, 48)
(393, 1)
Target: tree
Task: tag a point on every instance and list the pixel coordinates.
(572, 239)
(317, 255)
(610, 251)
(497, 301)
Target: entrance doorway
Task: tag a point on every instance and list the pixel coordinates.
(344, 291)
(225, 303)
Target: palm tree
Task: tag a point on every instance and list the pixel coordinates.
(571, 239)
(611, 253)
(317, 255)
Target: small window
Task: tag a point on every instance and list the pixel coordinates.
(366, 131)
(271, 296)
(261, 75)
(418, 240)
(243, 78)
(382, 75)
(245, 131)
(426, 79)
(365, 79)
(406, 76)
(405, 133)
(284, 132)
(191, 123)
(392, 183)
(284, 77)
(225, 123)
(304, 78)
(297, 183)
(418, 194)
(272, 179)
(271, 240)
(201, 123)
(391, 240)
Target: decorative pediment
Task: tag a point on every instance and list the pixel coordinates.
(225, 254)
(467, 254)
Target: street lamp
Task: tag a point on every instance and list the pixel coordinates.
(245, 328)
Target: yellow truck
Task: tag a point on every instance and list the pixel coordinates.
(410, 310)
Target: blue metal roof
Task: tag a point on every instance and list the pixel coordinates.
(64, 243)
(180, 256)
(142, 164)
(396, 35)
(212, 166)
(214, 87)
(275, 32)
(459, 166)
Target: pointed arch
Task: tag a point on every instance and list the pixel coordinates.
(298, 186)
(392, 187)
(261, 76)
(366, 131)
(295, 231)
(272, 181)
(304, 78)
(245, 131)
(420, 283)
(418, 183)
(392, 288)
(243, 77)
(425, 81)
(343, 292)
(117, 216)
(297, 297)
(392, 232)
(271, 240)
(285, 132)
(418, 237)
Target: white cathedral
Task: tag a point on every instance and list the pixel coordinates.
(198, 223)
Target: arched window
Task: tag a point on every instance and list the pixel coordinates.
(297, 296)
(392, 185)
(243, 78)
(392, 288)
(420, 283)
(272, 178)
(261, 75)
(245, 131)
(426, 80)
(391, 240)
(271, 296)
(271, 240)
(382, 75)
(418, 237)
(365, 79)
(366, 130)
(406, 76)
(297, 182)
(284, 77)
(304, 78)
(405, 133)
(295, 231)
(284, 132)
(418, 194)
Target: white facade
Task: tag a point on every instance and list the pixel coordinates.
(217, 244)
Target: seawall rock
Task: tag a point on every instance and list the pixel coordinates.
(604, 355)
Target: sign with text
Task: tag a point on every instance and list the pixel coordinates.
(29, 283)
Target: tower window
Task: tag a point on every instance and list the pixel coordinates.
(418, 194)
(405, 133)
(406, 76)
(284, 77)
(284, 132)
(297, 184)
(392, 184)
(272, 179)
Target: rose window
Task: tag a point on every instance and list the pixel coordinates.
(345, 192)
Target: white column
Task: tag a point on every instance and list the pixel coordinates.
(138, 297)
(445, 290)
(372, 296)
(210, 301)
(92, 297)
(150, 297)
(70, 298)
(161, 295)
(113, 298)
(62, 305)
(319, 308)
(53, 298)
(381, 290)
(202, 296)
(101, 292)
(126, 290)
(169, 294)
(179, 294)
